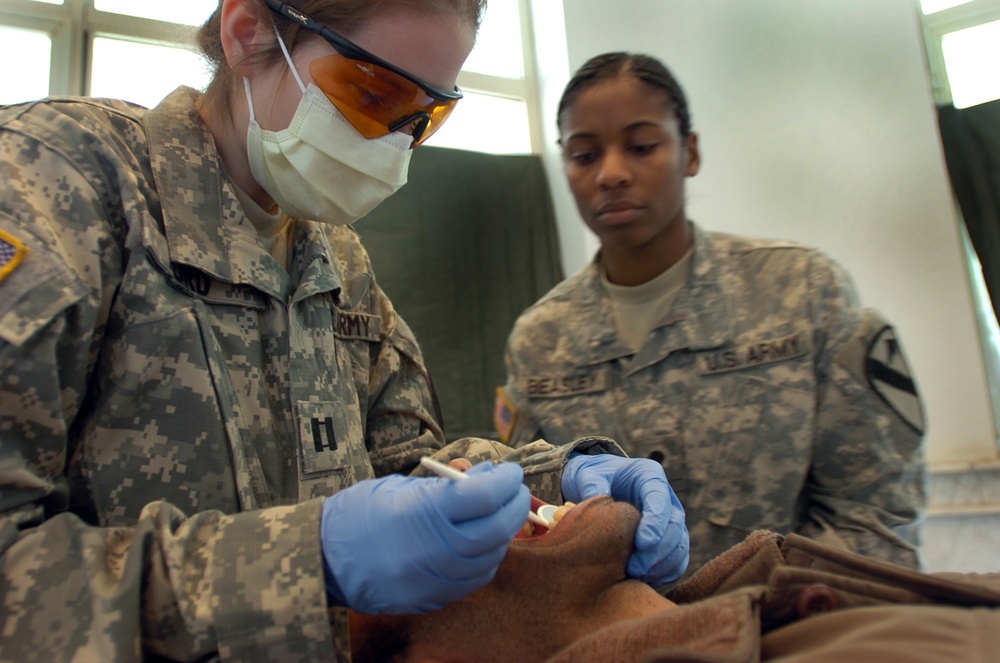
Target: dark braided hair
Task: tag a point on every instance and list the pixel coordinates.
(645, 68)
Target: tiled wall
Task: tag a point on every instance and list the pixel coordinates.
(962, 532)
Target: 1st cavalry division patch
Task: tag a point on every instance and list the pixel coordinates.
(889, 375)
(12, 250)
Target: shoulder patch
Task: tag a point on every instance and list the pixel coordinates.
(504, 416)
(12, 250)
(890, 378)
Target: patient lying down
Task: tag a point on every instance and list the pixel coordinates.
(551, 590)
(563, 596)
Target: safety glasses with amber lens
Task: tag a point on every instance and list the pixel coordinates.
(375, 96)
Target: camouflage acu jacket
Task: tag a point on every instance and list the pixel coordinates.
(173, 402)
(772, 399)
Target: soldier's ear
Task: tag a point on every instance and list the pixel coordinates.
(692, 155)
(244, 33)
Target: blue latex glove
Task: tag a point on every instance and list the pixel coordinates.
(404, 544)
(661, 540)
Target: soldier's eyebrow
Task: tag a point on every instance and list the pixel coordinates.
(634, 126)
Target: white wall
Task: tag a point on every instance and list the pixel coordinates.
(816, 124)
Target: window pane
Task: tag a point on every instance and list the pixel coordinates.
(32, 51)
(970, 59)
(498, 46)
(931, 6)
(188, 12)
(486, 124)
(143, 73)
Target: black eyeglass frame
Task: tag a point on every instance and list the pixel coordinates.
(351, 50)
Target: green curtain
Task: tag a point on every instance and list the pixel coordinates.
(461, 250)
(971, 140)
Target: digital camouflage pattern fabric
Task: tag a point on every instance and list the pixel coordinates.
(174, 404)
(542, 462)
(772, 399)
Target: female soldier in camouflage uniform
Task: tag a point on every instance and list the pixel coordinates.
(200, 378)
(747, 367)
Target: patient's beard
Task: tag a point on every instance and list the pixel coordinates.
(543, 598)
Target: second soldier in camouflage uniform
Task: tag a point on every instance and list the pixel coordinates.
(746, 367)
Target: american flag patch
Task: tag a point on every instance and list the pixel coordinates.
(11, 251)
(504, 415)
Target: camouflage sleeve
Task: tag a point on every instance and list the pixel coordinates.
(543, 463)
(866, 487)
(243, 587)
(247, 586)
(404, 416)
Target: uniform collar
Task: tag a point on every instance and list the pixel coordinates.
(315, 264)
(700, 319)
(595, 317)
(703, 305)
(203, 222)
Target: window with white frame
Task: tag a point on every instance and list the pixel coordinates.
(498, 113)
(140, 50)
(962, 38)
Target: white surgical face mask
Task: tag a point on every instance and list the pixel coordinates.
(320, 167)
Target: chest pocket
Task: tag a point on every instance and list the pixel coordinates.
(748, 439)
(163, 423)
(670, 455)
(329, 437)
(572, 405)
(330, 367)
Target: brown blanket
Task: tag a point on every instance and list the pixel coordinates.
(790, 599)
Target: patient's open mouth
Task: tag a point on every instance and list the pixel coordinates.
(550, 512)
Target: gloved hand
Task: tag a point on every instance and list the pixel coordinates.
(661, 539)
(404, 544)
